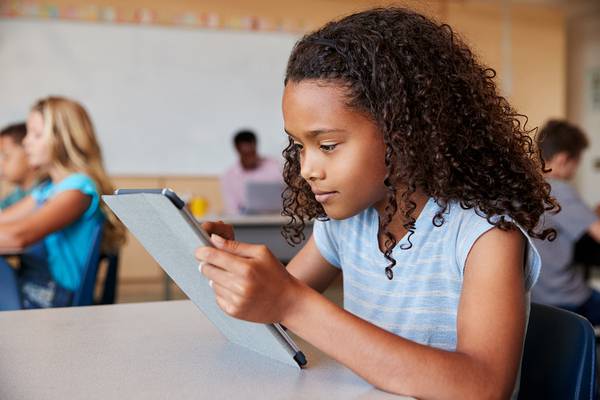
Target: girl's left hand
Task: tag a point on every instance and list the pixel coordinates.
(248, 281)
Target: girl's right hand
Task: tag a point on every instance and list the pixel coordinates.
(248, 281)
(219, 228)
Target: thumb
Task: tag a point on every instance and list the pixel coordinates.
(233, 246)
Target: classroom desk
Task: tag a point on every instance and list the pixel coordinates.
(164, 350)
(258, 229)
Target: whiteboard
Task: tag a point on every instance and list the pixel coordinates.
(164, 100)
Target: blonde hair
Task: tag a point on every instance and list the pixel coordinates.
(75, 149)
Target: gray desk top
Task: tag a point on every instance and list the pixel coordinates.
(152, 351)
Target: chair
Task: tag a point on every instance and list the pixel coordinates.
(559, 357)
(110, 279)
(586, 254)
(9, 293)
(84, 295)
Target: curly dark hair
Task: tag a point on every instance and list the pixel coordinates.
(446, 130)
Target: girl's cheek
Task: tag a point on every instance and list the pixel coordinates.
(45, 148)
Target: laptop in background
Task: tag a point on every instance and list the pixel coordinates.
(263, 197)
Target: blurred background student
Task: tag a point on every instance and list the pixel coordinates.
(562, 281)
(251, 167)
(56, 223)
(14, 166)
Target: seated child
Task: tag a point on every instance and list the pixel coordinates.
(562, 282)
(15, 168)
(425, 190)
(56, 222)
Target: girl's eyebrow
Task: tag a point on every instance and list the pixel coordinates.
(316, 132)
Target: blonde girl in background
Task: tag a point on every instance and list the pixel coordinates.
(55, 224)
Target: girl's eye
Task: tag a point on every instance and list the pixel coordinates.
(328, 147)
(298, 146)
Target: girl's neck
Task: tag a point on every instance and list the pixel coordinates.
(555, 174)
(29, 181)
(396, 227)
(57, 174)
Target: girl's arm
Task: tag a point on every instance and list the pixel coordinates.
(57, 213)
(309, 267)
(250, 284)
(17, 210)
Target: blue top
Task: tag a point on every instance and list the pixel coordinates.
(421, 302)
(13, 197)
(68, 248)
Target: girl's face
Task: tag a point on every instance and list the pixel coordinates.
(36, 143)
(341, 150)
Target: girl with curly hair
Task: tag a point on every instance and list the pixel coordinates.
(425, 189)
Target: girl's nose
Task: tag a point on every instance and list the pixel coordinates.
(311, 169)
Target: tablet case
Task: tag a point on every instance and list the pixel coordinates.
(165, 233)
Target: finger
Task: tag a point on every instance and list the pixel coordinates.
(218, 276)
(226, 299)
(215, 274)
(220, 228)
(222, 259)
(225, 305)
(223, 293)
(238, 248)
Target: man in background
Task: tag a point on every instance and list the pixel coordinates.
(250, 168)
(562, 281)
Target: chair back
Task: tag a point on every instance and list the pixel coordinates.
(84, 296)
(559, 357)
(110, 280)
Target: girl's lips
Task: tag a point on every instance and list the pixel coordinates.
(324, 197)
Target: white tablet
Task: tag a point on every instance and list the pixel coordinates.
(159, 220)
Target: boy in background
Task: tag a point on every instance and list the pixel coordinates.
(562, 281)
(14, 166)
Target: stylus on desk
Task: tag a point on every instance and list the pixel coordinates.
(299, 357)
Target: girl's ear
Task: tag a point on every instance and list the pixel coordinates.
(561, 164)
(560, 159)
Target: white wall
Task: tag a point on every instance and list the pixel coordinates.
(164, 100)
(583, 58)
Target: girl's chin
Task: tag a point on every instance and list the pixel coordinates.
(340, 213)
(33, 163)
